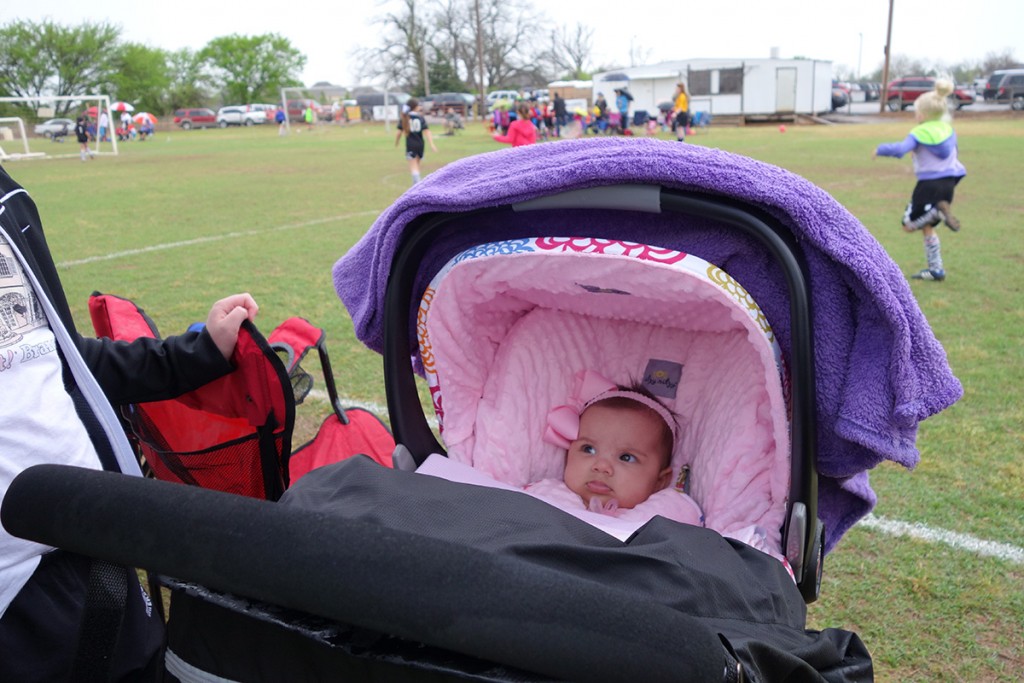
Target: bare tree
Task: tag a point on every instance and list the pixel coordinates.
(504, 32)
(509, 28)
(401, 59)
(638, 54)
(902, 66)
(454, 37)
(1000, 60)
(571, 50)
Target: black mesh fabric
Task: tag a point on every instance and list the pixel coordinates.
(235, 466)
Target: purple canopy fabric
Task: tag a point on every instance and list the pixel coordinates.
(880, 369)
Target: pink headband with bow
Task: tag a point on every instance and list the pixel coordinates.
(564, 421)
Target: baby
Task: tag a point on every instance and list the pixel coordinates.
(618, 456)
(623, 452)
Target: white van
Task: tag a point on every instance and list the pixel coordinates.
(496, 95)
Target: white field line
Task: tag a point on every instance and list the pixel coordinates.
(211, 238)
(964, 542)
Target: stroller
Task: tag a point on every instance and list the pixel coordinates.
(800, 360)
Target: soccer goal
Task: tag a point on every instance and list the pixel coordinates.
(19, 140)
(12, 129)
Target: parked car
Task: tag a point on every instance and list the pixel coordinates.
(297, 110)
(992, 84)
(368, 101)
(840, 95)
(1011, 89)
(441, 102)
(872, 91)
(199, 117)
(240, 115)
(497, 95)
(54, 127)
(902, 92)
(267, 109)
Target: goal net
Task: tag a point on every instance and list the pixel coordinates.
(47, 135)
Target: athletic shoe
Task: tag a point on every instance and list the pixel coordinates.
(947, 216)
(926, 274)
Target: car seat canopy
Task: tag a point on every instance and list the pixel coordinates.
(505, 328)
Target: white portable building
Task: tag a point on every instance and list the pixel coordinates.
(727, 87)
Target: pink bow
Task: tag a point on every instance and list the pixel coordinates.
(564, 421)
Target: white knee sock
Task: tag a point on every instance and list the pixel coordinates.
(933, 252)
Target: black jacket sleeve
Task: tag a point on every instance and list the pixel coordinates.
(152, 369)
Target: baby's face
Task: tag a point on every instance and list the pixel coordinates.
(618, 454)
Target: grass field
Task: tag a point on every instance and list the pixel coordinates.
(186, 217)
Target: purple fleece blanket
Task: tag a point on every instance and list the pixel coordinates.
(880, 369)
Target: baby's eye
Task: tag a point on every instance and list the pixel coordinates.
(588, 449)
(627, 457)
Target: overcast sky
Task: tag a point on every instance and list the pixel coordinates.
(851, 34)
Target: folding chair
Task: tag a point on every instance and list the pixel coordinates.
(235, 433)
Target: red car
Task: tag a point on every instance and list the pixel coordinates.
(902, 92)
(297, 110)
(195, 118)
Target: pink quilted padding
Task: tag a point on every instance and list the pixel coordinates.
(504, 336)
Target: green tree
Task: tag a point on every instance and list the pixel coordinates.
(253, 68)
(46, 58)
(190, 82)
(143, 77)
(442, 75)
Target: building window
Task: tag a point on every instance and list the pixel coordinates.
(730, 81)
(699, 83)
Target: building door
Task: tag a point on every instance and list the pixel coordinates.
(785, 90)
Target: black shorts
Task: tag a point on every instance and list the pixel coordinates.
(41, 626)
(683, 118)
(928, 193)
(414, 151)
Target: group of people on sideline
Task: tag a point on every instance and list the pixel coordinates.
(530, 120)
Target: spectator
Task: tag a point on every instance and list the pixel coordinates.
(521, 131)
(601, 104)
(104, 124)
(622, 100)
(561, 115)
(681, 109)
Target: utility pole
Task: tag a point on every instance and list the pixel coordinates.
(426, 72)
(480, 56)
(860, 51)
(883, 100)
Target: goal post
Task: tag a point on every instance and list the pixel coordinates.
(33, 146)
(12, 129)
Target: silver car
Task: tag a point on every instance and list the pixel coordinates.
(240, 115)
(55, 128)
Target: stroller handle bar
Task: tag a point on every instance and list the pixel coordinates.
(803, 533)
(353, 571)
